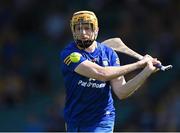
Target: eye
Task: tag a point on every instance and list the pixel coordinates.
(87, 28)
(77, 28)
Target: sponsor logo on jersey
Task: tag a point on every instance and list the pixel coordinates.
(105, 62)
(91, 84)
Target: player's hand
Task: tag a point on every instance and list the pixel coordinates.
(145, 59)
(155, 62)
(150, 65)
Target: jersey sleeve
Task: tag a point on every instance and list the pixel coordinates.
(115, 59)
(70, 60)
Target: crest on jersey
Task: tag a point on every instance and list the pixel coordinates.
(117, 61)
(105, 63)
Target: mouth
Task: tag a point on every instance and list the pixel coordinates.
(84, 38)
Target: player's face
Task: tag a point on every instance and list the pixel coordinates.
(84, 31)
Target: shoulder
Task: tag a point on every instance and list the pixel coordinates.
(70, 47)
(68, 50)
(105, 48)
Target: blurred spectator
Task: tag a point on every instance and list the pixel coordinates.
(168, 113)
(39, 76)
(12, 91)
(34, 124)
(55, 121)
(54, 25)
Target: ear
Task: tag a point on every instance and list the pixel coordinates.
(96, 30)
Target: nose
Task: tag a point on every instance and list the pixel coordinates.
(83, 31)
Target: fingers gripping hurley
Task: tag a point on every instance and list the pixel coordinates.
(117, 45)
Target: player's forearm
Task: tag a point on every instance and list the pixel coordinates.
(109, 73)
(132, 85)
(93, 70)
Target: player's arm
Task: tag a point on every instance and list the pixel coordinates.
(124, 89)
(92, 70)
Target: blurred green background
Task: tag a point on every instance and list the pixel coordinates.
(32, 32)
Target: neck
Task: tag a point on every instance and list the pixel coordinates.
(92, 47)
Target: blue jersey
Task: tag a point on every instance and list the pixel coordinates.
(87, 100)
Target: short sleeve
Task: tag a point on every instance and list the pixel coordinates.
(70, 60)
